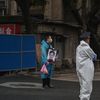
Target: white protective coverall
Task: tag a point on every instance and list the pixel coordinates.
(85, 69)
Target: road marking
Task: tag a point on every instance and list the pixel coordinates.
(22, 85)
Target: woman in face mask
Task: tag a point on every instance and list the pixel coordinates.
(45, 45)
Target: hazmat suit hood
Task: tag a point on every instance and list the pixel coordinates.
(83, 43)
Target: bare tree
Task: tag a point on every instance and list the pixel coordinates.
(25, 7)
(87, 14)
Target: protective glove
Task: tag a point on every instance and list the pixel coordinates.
(95, 57)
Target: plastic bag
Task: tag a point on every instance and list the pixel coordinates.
(44, 69)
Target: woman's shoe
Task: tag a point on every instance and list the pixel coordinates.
(48, 83)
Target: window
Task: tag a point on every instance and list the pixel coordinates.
(2, 3)
(2, 7)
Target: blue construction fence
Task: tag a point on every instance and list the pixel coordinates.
(17, 52)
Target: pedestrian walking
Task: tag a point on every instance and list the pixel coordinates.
(84, 66)
(46, 63)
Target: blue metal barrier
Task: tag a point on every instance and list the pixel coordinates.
(17, 52)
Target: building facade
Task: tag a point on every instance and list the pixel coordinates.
(57, 20)
(8, 7)
(66, 35)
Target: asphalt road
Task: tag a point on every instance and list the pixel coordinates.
(29, 88)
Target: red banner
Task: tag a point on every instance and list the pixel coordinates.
(10, 29)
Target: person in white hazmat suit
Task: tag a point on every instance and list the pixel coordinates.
(85, 66)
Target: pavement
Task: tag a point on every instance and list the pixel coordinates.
(63, 75)
(25, 86)
(72, 76)
(20, 88)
